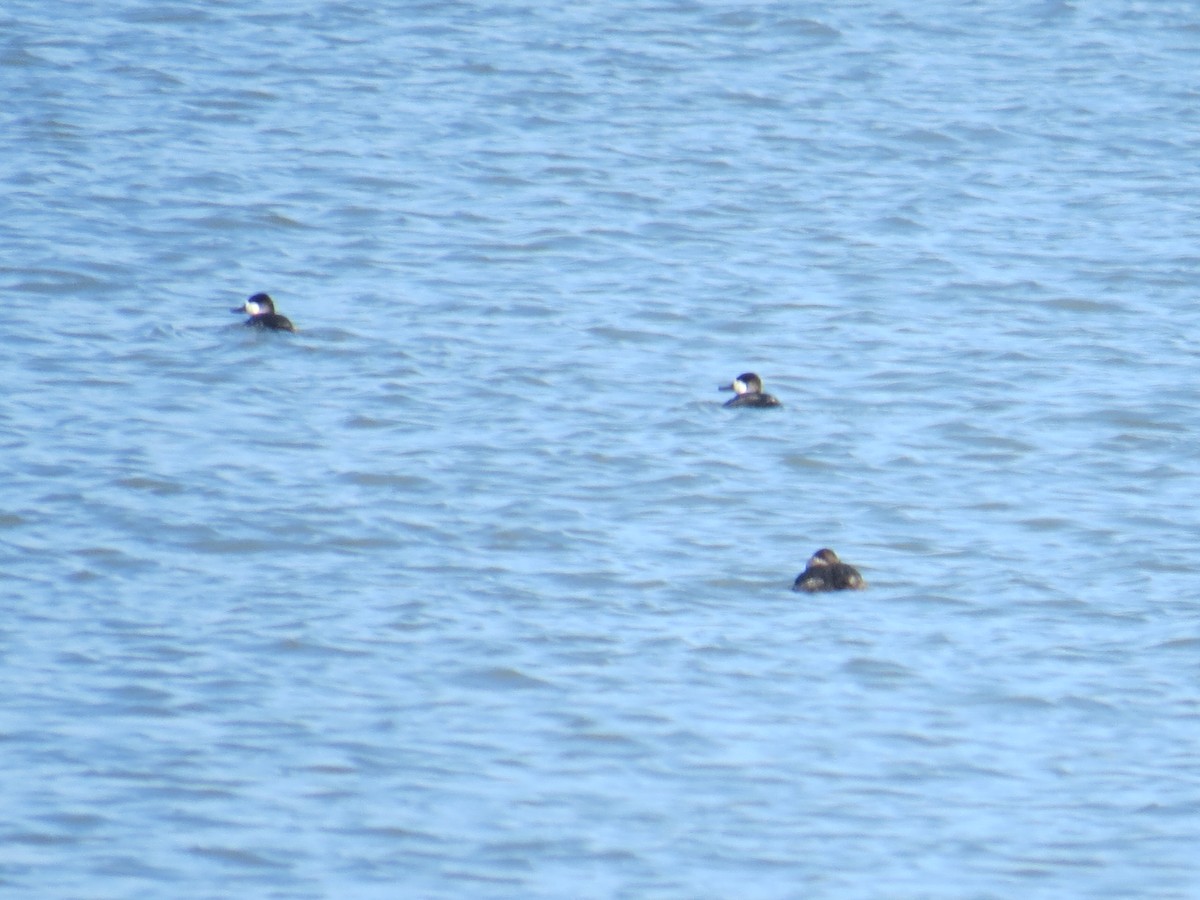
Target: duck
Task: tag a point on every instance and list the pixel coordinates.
(261, 309)
(825, 572)
(749, 390)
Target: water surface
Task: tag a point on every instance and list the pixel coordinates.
(472, 588)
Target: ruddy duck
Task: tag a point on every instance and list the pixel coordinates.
(826, 572)
(261, 309)
(748, 388)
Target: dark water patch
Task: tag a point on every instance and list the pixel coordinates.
(305, 648)
(1184, 644)
(878, 671)
(368, 423)
(501, 679)
(810, 28)
(154, 486)
(113, 560)
(39, 838)
(385, 479)
(238, 858)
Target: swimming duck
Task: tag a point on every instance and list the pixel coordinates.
(261, 309)
(748, 388)
(826, 572)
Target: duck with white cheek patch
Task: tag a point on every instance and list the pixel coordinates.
(261, 309)
(749, 390)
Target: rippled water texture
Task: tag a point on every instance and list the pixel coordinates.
(472, 588)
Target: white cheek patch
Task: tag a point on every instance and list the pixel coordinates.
(252, 308)
(739, 386)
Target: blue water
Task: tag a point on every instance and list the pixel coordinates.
(472, 588)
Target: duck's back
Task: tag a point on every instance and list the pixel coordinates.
(753, 400)
(271, 322)
(837, 577)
